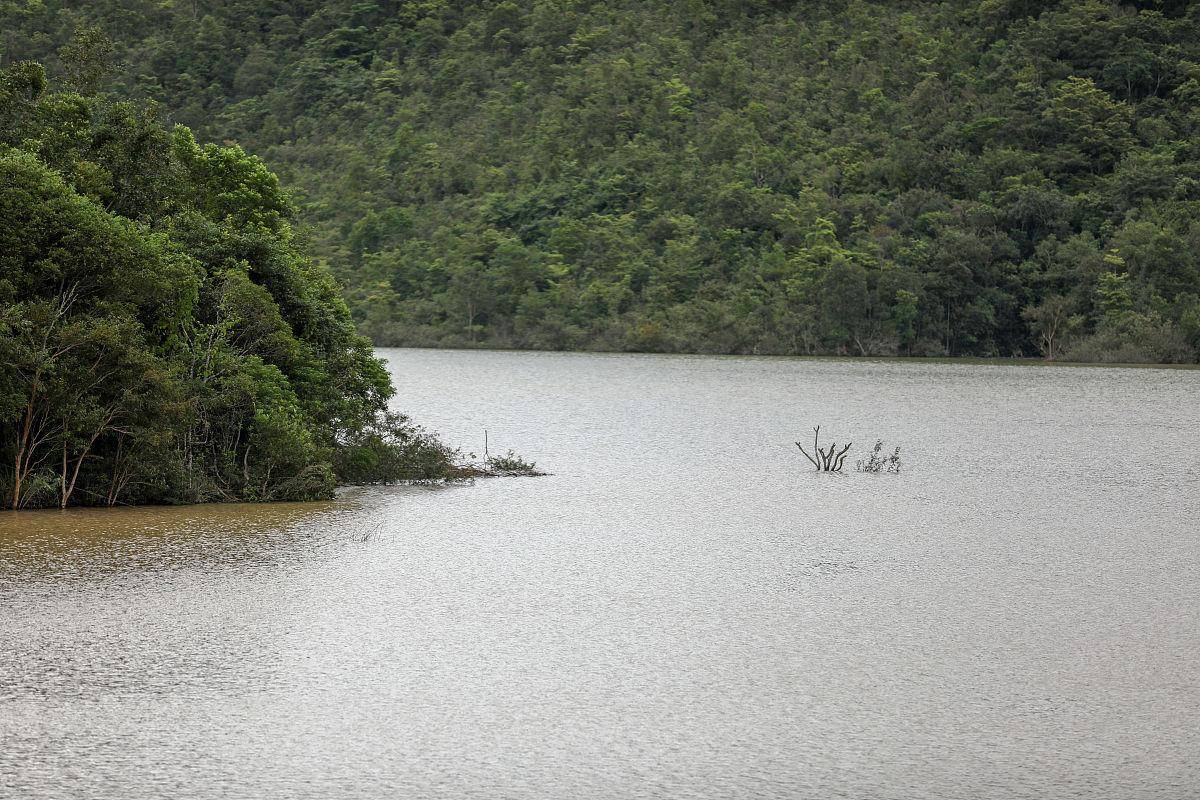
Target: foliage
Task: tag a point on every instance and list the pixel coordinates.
(163, 337)
(943, 178)
(878, 462)
(391, 449)
(511, 465)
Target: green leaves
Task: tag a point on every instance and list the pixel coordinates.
(557, 174)
(1092, 128)
(227, 185)
(162, 336)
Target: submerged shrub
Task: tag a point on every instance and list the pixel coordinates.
(877, 462)
(512, 465)
(393, 449)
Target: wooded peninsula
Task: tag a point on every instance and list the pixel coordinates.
(163, 337)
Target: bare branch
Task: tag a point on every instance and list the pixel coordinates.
(840, 458)
(806, 455)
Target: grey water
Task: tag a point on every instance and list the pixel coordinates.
(683, 609)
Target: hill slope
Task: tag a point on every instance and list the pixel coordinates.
(971, 177)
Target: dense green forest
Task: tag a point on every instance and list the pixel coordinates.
(163, 337)
(969, 177)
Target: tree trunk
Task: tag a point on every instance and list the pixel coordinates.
(114, 489)
(24, 452)
(63, 493)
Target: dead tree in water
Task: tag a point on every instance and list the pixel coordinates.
(829, 459)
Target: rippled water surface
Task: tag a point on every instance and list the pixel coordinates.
(684, 609)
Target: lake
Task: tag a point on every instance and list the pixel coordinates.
(683, 609)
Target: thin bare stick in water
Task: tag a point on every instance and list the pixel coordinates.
(806, 455)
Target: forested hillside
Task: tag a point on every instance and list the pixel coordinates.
(970, 177)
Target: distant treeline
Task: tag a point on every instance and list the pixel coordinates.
(968, 177)
(163, 338)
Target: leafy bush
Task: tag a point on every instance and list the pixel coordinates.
(392, 449)
(1133, 338)
(877, 462)
(512, 465)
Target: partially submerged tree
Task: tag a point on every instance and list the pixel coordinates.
(828, 459)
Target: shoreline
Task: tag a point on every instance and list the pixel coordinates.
(949, 360)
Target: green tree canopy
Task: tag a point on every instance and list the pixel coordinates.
(715, 176)
(163, 335)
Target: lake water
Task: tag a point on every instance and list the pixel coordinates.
(684, 609)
